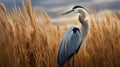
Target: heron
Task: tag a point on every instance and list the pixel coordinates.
(73, 38)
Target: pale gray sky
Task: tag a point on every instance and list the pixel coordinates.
(55, 7)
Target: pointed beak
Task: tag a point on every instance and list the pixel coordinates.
(66, 12)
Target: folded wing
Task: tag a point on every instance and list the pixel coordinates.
(69, 44)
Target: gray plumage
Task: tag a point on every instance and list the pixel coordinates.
(73, 38)
(70, 42)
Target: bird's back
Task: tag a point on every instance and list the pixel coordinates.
(70, 43)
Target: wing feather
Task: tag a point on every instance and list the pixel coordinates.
(69, 44)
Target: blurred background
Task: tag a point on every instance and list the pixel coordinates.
(55, 7)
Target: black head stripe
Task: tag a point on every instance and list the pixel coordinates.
(78, 7)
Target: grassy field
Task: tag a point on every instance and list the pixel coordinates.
(29, 39)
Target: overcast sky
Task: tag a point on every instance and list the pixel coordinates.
(55, 7)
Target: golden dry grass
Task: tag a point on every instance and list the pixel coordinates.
(28, 39)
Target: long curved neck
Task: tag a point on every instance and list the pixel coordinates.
(84, 29)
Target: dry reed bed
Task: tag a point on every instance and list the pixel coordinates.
(28, 39)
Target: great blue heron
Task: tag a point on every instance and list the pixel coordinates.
(73, 38)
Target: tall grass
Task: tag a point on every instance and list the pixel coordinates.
(28, 39)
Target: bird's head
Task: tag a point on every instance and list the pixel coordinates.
(77, 9)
